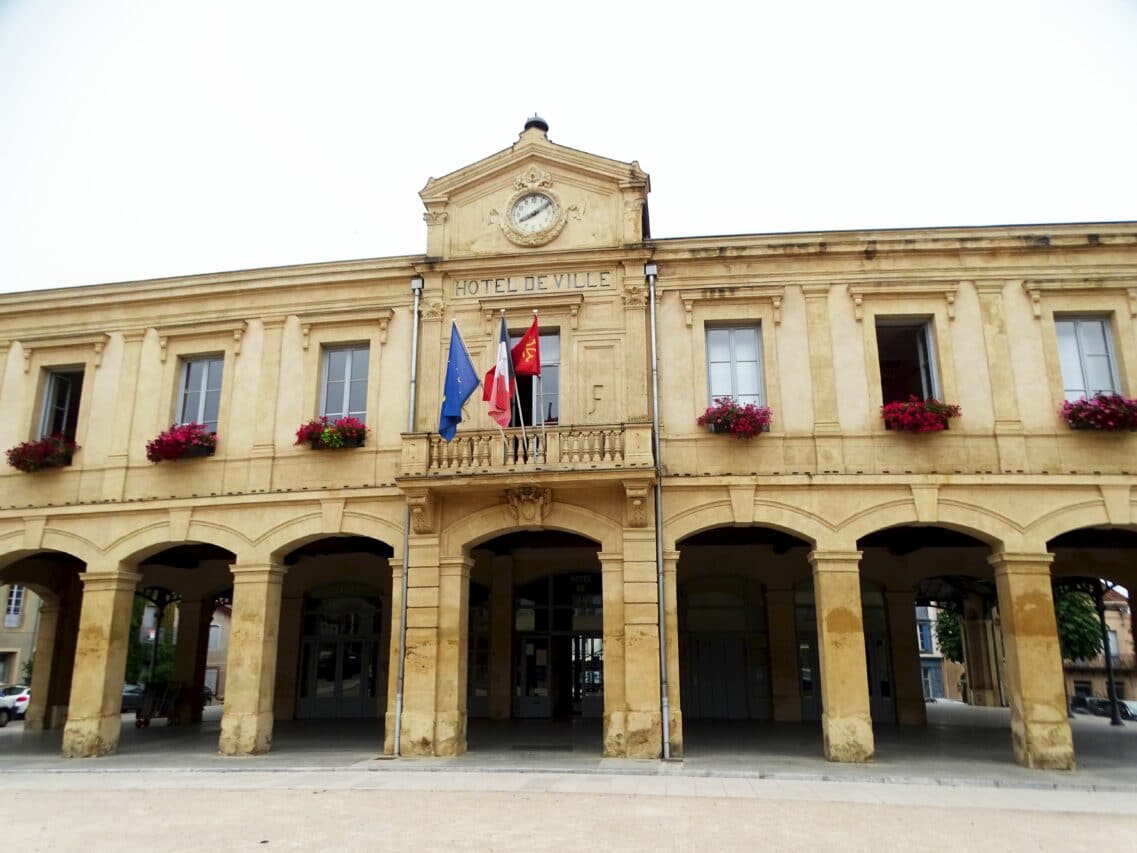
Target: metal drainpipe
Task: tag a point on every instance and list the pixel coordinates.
(416, 289)
(651, 270)
(1110, 687)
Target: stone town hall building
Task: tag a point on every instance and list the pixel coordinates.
(538, 577)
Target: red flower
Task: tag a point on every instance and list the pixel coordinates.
(1102, 412)
(727, 415)
(175, 442)
(53, 451)
(916, 415)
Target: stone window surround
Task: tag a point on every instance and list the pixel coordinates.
(40, 360)
(320, 333)
(178, 346)
(933, 302)
(1115, 302)
(759, 307)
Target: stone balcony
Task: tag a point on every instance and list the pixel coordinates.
(596, 450)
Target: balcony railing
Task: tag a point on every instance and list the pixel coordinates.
(1118, 662)
(560, 448)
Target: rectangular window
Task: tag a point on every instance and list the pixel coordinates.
(61, 402)
(344, 391)
(214, 637)
(907, 368)
(201, 391)
(14, 611)
(924, 636)
(1085, 353)
(540, 397)
(734, 364)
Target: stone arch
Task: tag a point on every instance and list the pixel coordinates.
(481, 526)
(1068, 519)
(997, 532)
(13, 547)
(299, 531)
(783, 517)
(143, 543)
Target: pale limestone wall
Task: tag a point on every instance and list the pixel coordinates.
(1008, 472)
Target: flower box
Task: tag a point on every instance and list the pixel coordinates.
(53, 451)
(729, 417)
(321, 434)
(1103, 412)
(182, 441)
(916, 415)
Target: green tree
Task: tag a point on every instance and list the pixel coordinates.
(138, 651)
(1079, 629)
(949, 636)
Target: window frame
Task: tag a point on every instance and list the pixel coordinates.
(352, 349)
(1104, 321)
(926, 353)
(52, 376)
(15, 602)
(759, 361)
(546, 332)
(209, 359)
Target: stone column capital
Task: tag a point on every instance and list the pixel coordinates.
(245, 573)
(611, 561)
(455, 567)
(1021, 564)
(109, 581)
(835, 561)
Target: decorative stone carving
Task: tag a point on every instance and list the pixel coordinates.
(636, 494)
(434, 217)
(433, 310)
(530, 181)
(422, 511)
(635, 296)
(529, 504)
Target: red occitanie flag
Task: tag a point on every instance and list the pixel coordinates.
(527, 353)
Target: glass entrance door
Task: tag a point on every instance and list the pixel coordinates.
(339, 658)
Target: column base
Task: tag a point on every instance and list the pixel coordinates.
(676, 722)
(245, 734)
(847, 739)
(911, 712)
(425, 736)
(634, 734)
(91, 738)
(984, 698)
(1043, 745)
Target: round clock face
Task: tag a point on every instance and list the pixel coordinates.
(533, 213)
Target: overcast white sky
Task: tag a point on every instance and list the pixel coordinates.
(145, 139)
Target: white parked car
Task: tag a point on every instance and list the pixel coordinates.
(14, 703)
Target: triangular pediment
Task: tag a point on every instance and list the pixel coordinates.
(535, 195)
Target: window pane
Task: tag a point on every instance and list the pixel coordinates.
(337, 365)
(359, 363)
(194, 371)
(1068, 357)
(191, 407)
(550, 387)
(746, 344)
(1092, 333)
(209, 413)
(747, 385)
(333, 400)
(357, 399)
(719, 379)
(216, 366)
(718, 345)
(550, 349)
(1099, 374)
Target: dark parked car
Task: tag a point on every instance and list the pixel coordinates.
(132, 697)
(206, 696)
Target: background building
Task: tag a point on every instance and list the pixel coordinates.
(530, 567)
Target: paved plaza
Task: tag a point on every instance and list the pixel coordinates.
(536, 786)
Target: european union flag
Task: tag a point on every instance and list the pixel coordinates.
(461, 382)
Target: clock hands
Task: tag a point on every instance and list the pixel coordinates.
(534, 212)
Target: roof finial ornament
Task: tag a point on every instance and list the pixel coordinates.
(538, 123)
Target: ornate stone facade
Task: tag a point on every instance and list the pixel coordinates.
(789, 561)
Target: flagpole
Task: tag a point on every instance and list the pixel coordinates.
(516, 397)
(541, 403)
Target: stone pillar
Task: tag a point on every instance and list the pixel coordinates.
(250, 670)
(909, 685)
(501, 638)
(823, 378)
(268, 397)
(36, 718)
(194, 616)
(1009, 437)
(288, 656)
(615, 708)
(846, 722)
(671, 624)
(453, 655)
(120, 439)
(1040, 730)
(977, 655)
(95, 711)
(643, 734)
(784, 675)
(393, 653)
(637, 380)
